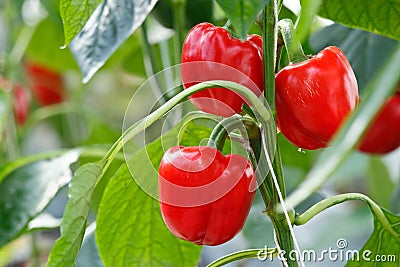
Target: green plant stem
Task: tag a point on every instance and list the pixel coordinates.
(273, 187)
(332, 201)
(293, 46)
(269, 47)
(350, 133)
(263, 115)
(224, 127)
(245, 254)
(179, 26)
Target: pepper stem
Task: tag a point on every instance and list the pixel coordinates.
(225, 126)
(292, 44)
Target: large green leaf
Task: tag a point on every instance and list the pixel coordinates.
(378, 16)
(107, 28)
(130, 230)
(74, 15)
(366, 51)
(73, 224)
(242, 13)
(44, 47)
(27, 187)
(382, 248)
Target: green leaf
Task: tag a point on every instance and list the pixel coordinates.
(73, 224)
(27, 187)
(381, 244)
(378, 16)
(366, 51)
(130, 230)
(44, 47)
(242, 14)
(74, 15)
(107, 28)
(380, 185)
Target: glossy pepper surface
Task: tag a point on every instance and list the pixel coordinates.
(222, 57)
(313, 98)
(383, 136)
(205, 196)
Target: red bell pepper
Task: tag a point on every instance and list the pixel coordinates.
(221, 57)
(313, 98)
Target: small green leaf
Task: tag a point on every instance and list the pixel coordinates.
(381, 245)
(74, 15)
(380, 185)
(378, 16)
(242, 14)
(130, 230)
(27, 187)
(73, 224)
(107, 28)
(365, 51)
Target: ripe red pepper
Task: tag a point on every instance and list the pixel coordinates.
(47, 85)
(223, 58)
(313, 98)
(383, 136)
(205, 196)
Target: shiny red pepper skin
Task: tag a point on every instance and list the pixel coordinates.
(313, 98)
(46, 84)
(205, 196)
(208, 43)
(383, 136)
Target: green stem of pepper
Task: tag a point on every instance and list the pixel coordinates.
(332, 201)
(268, 188)
(179, 26)
(293, 46)
(224, 127)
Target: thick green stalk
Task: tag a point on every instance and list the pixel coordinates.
(269, 191)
